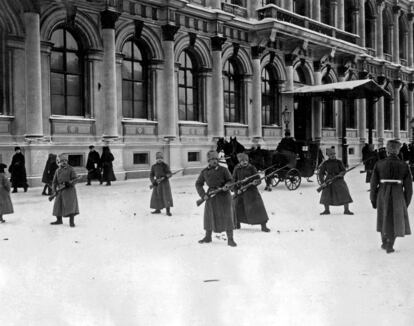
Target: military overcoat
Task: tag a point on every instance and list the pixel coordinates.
(248, 207)
(6, 206)
(337, 193)
(17, 170)
(218, 211)
(392, 199)
(66, 201)
(161, 194)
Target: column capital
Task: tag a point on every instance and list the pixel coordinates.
(397, 83)
(257, 52)
(109, 18)
(217, 43)
(169, 31)
(396, 10)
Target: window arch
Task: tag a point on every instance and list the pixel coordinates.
(270, 97)
(67, 74)
(188, 88)
(328, 114)
(134, 82)
(232, 93)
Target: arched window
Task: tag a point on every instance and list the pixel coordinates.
(134, 82)
(66, 76)
(402, 33)
(369, 26)
(188, 99)
(386, 34)
(403, 111)
(328, 114)
(349, 16)
(232, 93)
(299, 7)
(387, 114)
(270, 97)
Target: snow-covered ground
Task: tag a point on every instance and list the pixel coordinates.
(123, 266)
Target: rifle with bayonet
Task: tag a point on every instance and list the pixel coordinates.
(335, 178)
(158, 181)
(62, 186)
(231, 186)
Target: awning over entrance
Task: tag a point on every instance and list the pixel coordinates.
(355, 89)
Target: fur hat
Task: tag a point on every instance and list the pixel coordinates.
(211, 155)
(63, 157)
(242, 156)
(159, 155)
(17, 148)
(2, 167)
(393, 146)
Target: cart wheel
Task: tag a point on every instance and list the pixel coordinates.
(275, 180)
(293, 179)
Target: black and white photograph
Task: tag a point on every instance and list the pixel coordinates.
(206, 162)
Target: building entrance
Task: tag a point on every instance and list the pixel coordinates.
(302, 119)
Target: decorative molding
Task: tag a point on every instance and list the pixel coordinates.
(168, 32)
(109, 18)
(217, 43)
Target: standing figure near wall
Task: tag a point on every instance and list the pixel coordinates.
(17, 170)
(93, 165)
(161, 190)
(6, 206)
(106, 161)
(248, 204)
(48, 174)
(391, 193)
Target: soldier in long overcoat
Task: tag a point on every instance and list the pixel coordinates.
(161, 192)
(371, 157)
(218, 212)
(336, 193)
(391, 192)
(93, 165)
(6, 206)
(248, 204)
(17, 170)
(106, 161)
(48, 174)
(66, 200)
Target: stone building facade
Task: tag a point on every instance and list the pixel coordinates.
(174, 75)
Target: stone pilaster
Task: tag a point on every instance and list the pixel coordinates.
(341, 15)
(317, 104)
(396, 109)
(361, 30)
(108, 19)
(255, 115)
(334, 13)
(379, 30)
(34, 124)
(410, 40)
(316, 10)
(216, 113)
(411, 109)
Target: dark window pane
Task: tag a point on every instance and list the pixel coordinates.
(71, 43)
(137, 71)
(140, 111)
(126, 69)
(57, 84)
(137, 53)
(56, 61)
(127, 109)
(190, 96)
(72, 63)
(74, 105)
(72, 84)
(126, 50)
(138, 92)
(58, 104)
(181, 112)
(181, 79)
(189, 63)
(126, 90)
(189, 78)
(57, 38)
(181, 96)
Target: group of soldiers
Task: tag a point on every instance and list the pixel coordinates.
(390, 191)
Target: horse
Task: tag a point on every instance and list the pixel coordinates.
(230, 149)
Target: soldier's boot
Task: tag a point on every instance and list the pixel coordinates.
(157, 211)
(207, 237)
(88, 182)
(326, 211)
(265, 228)
(168, 211)
(230, 240)
(14, 189)
(44, 190)
(384, 242)
(1, 219)
(58, 221)
(72, 221)
(390, 245)
(347, 211)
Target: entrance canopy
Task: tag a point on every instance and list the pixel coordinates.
(355, 89)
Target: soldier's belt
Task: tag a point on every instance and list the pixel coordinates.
(391, 181)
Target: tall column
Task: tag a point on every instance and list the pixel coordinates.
(380, 121)
(215, 4)
(316, 10)
(334, 13)
(216, 113)
(396, 109)
(361, 30)
(255, 115)
(410, 41)
(356, 22)
(341, 14)
(288, 103)
(379, 30)
(167, 119)
(108, 19)
(34, 125)
(341, 129)
(396, 42)
(288, 5)
(317, 105)
(362, 121)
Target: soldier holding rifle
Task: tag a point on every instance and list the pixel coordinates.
(63, 187)
(248, 204)
(161, 191)
(218, 212)
(391, 192)
(336, 192)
